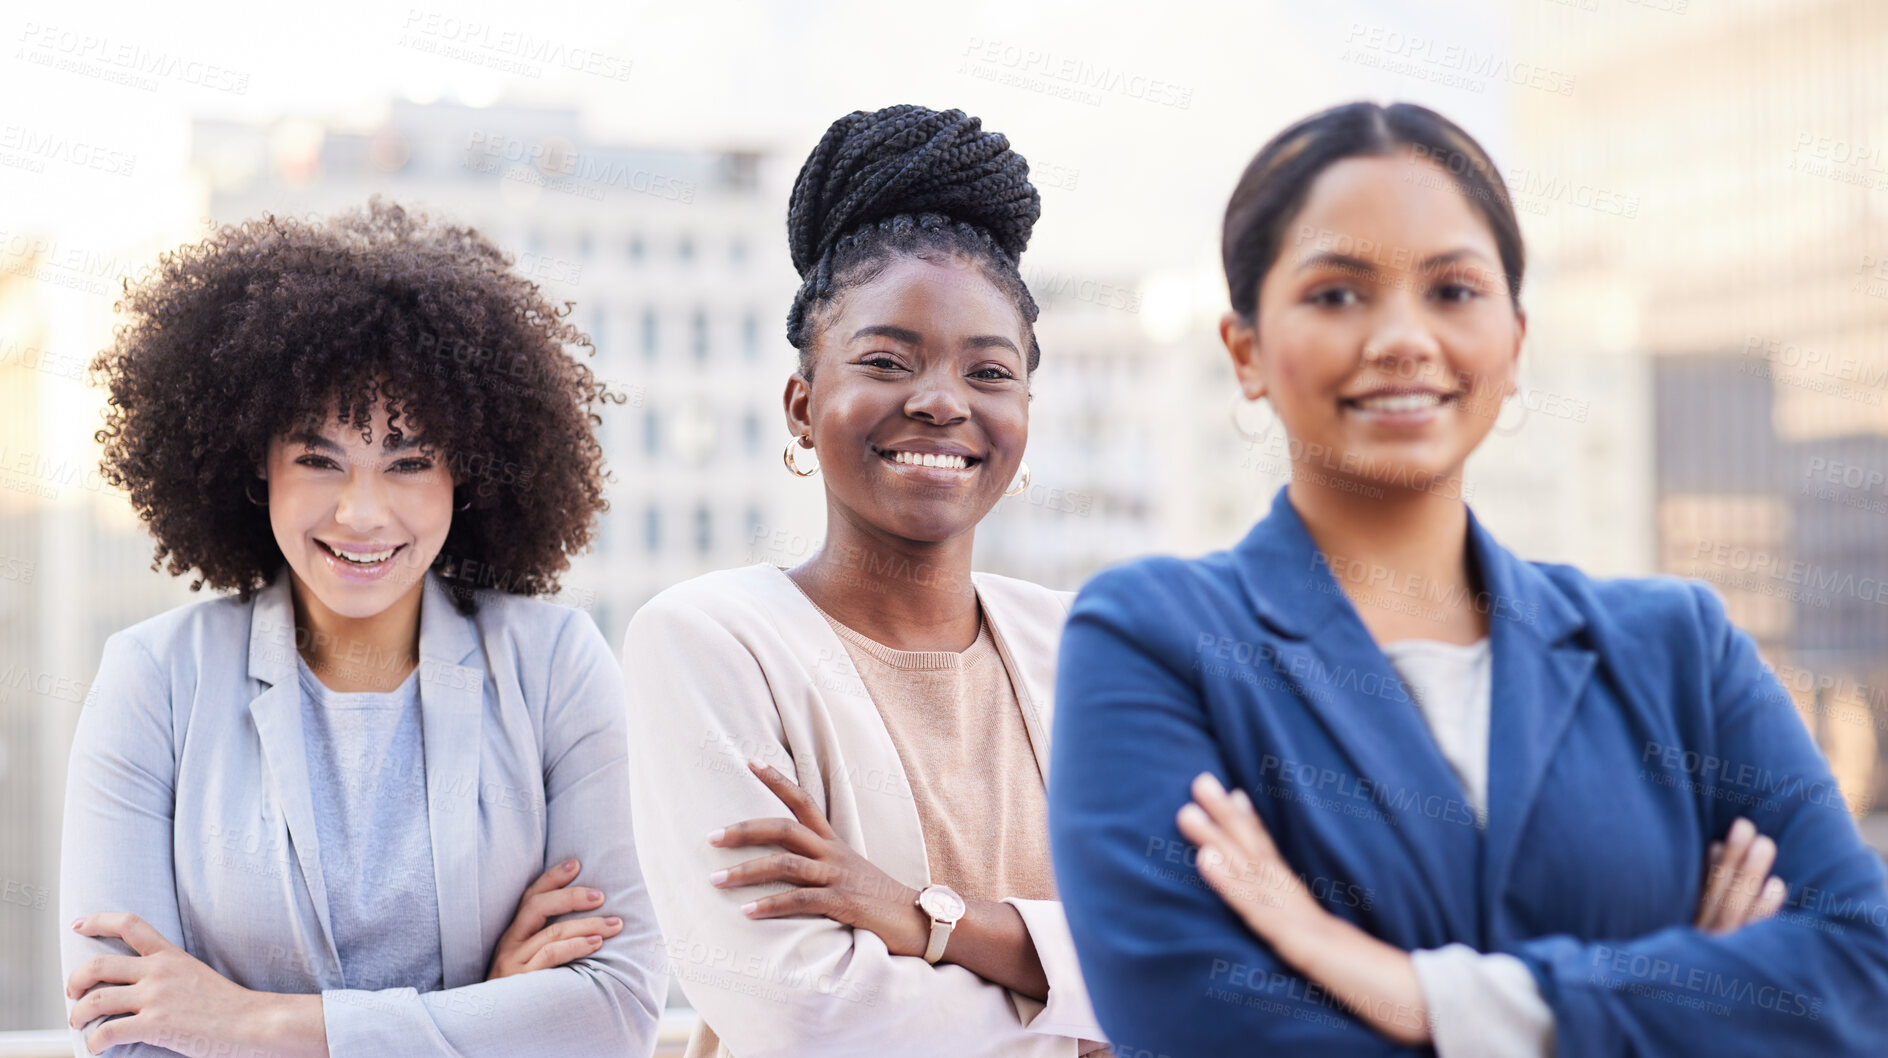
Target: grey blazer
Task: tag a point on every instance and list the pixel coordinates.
(188, 804)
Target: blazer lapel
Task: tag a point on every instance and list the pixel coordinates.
(1541, 668)
(1028, 646)
(452, 695)
(277, 714)
(895, 833)
(1345, 681)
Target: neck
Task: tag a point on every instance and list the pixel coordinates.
(1400, 556)
(906, 594)
(374, 653)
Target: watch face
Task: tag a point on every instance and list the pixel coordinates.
(941, 903)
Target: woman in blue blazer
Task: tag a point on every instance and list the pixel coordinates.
(350, 808)
(1474, 797)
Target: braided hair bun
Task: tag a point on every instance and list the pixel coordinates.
(900, 182)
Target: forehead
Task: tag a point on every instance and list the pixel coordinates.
(1395, 203)
(942, 299)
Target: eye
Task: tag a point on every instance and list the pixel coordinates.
(317, 462)
(992, 373)
(882, 361)
(1457, 293)
(414, 465)
(1333, 297)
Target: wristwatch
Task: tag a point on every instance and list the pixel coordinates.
(945, 907)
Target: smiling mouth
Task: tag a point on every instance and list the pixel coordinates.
(362, 559)
(937, 460)
(1400, 402)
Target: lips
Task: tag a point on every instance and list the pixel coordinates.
(1396, 400)
(361, 557)
(949, 460)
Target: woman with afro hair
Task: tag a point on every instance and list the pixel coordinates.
(349, 807)
(862, 867)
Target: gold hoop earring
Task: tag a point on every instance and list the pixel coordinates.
(787, 457)
(1022, 482)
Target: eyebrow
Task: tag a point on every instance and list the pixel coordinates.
(907, 336)
(1353, 263)
(316, 441)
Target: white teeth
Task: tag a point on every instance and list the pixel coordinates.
(364, 558)
(1401, 402)
(931, 459)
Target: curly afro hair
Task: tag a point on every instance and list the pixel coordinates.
(906, 181)
(273, 325)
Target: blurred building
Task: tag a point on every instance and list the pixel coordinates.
(1725, 179)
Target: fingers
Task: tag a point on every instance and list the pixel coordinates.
(538, 909)
(805, 811)
(1736, 844)
(559, 952)
(780, 867)
(561, 942)
(791, 902)
(1739, 889)
(116, 1033)
(786, 833)
(104, 969)
(1747, 883)
(126, 926)
(1235, 815)
(558, 876)
(1770, 901)
(103, 1002)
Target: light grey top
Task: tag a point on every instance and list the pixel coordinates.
(367, 775)
(189, 803)
(1481, 1005)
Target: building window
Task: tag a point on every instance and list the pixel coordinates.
(584, 245)
(649, 333)
(635, 247)
(750, 335)
(651, 433)
(652, 528)
(597, 330)
(699, 334)
(737, 251)
(704, 529)
(756, 524)
(750, 432)
(686, 249)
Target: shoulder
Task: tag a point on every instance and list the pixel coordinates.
(1639, 607)
(728, 609)
(726, 595)
(1156, 584)
(210, 632)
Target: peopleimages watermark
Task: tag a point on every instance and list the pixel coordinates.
(1066, 76)
(1446, 63)
(503, 49)
(31, 149)
(1810, 583)
(556, 165)
(108, 58)
(1841, 160)
(1817, 370)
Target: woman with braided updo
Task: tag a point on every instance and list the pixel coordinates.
(893, 703)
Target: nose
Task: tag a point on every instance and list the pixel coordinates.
(361, 505)
(1402, 341)
(937, 397)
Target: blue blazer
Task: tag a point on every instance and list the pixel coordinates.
(188, 804)
(1632, 723)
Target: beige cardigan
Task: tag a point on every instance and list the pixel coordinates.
(738, 664)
